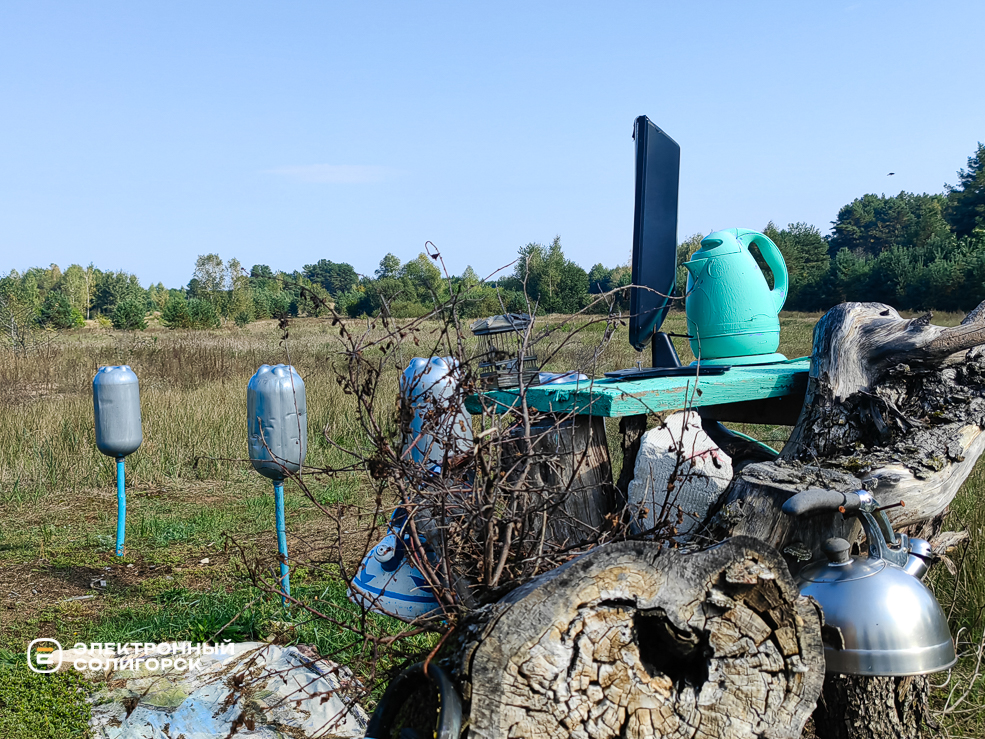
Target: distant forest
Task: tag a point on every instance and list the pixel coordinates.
(913, 252)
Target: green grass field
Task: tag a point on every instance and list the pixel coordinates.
(190, 492)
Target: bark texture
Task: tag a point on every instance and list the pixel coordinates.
(865, 708)
(631, 640)
(631, 430)
(752, 507)
(898, 403)
(564, 464)
(895, 406)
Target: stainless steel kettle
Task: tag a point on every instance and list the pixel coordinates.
(890, 623)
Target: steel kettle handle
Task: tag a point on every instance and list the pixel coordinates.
(774, 260)
(883, 542)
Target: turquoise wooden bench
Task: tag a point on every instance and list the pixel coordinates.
(772, 394)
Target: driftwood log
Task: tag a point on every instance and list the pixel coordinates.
(893, 405)
(634, 640)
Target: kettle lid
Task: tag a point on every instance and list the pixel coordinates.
(718, 244)
(839, 565)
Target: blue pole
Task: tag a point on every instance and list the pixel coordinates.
(285, 577)
(121, 507)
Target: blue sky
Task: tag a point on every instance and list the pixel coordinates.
(139, 135)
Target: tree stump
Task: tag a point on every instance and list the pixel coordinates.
(564, 464)
(854, 707)
(895, 406)
(632, 640)
(549, 495)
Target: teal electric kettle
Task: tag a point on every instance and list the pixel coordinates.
(731, 311)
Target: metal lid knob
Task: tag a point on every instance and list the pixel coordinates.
(837, 550)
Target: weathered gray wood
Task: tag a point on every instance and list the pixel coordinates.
(889, 407)
(631, 430)
(565, 465)
(898, 403)
(631, 640)
(893, 405)
(866, 708)
(752, 507)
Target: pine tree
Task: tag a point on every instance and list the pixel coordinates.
(966, 201)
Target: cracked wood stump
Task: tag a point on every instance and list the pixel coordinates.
(893, 405)
(564, 468)
(631, 640)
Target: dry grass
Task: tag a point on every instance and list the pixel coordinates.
(189, 483)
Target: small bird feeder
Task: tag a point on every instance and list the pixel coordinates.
(277, 423)
(116, 404)
(502, 361)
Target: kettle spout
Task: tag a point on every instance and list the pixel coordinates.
(696, 267)
(920, 558)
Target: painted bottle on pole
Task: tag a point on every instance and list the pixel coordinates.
(277, 437)
(119, 432)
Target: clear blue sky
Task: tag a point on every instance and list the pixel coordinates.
(138, 135)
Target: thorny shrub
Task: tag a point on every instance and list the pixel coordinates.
(496, 508)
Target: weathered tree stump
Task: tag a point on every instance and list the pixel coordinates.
(564, 463)
(752, 507)
(556, 497)
(893, 405)
(634, 640)
(631, 640)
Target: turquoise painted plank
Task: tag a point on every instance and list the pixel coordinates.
(620, 398)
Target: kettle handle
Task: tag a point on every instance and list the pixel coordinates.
(883, 542)
(773, 258)
(815, 500)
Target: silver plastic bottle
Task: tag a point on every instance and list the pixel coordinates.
(116, 401)
(277, 421)
(439, 424)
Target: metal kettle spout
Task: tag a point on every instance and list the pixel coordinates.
(920, 558)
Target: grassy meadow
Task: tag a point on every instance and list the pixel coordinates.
(190, 489)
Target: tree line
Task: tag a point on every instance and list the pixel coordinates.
(911, 251)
